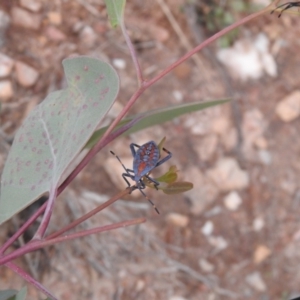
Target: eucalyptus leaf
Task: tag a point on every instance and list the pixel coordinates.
(115, 11)
(7, 294)
(21, 294)
(55, 132)
(158, 116)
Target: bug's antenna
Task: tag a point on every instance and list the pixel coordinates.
(118, 158)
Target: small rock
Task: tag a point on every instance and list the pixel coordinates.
(201, 122)
(22, 17)
(204, 191)
(230, 139)
(288, 109)
(258, 224)
(26, 75)
(254, 125)
(159, 33)
(261, 143)
(177, 220)
(178, 95)
(218, 242)
(221, 125)
(88, 37)
(78, 26)
(207, 146)
(269, 64)
(4, 23)
(119, 63)
(265, 157)
(216, 210)
(140, 285)
(261, 253)
(183, 70)
(206, 266)
(54, 34)
(4, 20)
(255, 281)
(232, 201)
(54, 17)
(288, 185)
(249, 58)
(6, 65)
(228, 176)
(33, 5)
(207, 228)
(6, 90)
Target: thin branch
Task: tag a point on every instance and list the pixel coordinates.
(30, 279)
(205, 44)
(183, 39)
(22, 229)
(35, 245)
(88, 215)
(47, 215)
(133, 54)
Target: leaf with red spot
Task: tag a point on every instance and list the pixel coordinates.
(55, 132)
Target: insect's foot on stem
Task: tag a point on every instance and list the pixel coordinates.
(131, 188)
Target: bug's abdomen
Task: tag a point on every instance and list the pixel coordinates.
(145, 159)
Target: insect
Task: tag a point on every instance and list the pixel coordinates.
(145, 159)
(286, 6)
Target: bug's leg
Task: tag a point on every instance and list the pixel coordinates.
(156, 183)
(165, 158)
(133, 151)
(124, 175)
(132, 188)
(141, 190)
(287, 5)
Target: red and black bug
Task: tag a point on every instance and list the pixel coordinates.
(145, 159)
(286, 6)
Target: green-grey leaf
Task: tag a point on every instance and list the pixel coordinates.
(169, 177)
(7, 294)
(115, 11)
(55, 132)
(177, 187)
(22, 294)
(158, 116)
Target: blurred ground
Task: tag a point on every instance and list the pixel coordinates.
(236, 234)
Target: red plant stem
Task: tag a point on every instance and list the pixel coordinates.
(132, 53)
(21, 230)
(47, 215)
(34, 245)
(30, 279)
(88, 215)
(205, 44)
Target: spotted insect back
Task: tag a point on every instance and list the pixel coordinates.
(145, 159)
